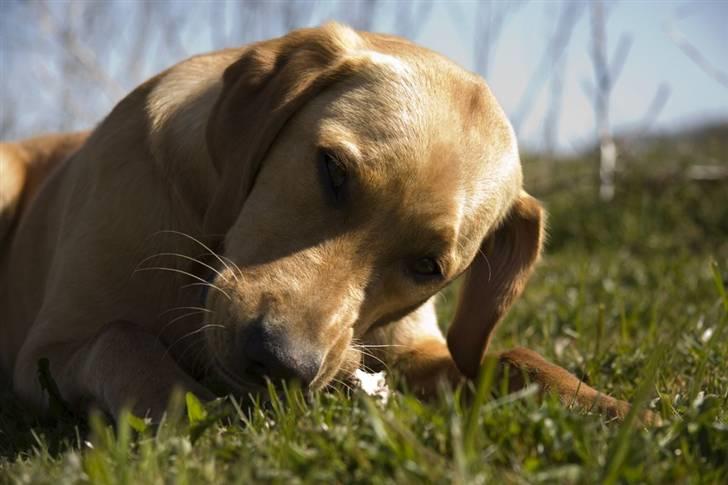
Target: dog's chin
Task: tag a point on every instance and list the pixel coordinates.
(226, 381)
(343, 372)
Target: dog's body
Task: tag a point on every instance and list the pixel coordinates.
(344, 178)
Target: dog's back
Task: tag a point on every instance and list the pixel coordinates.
(24, 166)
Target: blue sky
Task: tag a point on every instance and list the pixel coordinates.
(654, 59)
(32, 58)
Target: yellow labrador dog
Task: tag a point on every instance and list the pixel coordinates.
(287, 210)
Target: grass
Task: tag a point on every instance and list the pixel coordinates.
(630, 296)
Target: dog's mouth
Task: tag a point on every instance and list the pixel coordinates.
(226, 375)
(250, 384)
(227, 381)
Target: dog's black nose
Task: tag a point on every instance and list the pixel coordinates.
(270, 353)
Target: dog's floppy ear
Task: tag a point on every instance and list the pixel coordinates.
(261, 91)
(494, 280)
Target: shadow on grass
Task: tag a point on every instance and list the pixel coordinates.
(23, 433)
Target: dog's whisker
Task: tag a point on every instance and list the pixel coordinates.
(237, 271)
(480, 251)
(190, 346)
(359, 345)
(361, 348)
(198, 355)
(198, 330)
(487, 261)
(369, 369)
(193, 276)
(377, 346)
(196, 310)
(340, 382)
(207, 248)
(178, 318)
(205, 283)
(183, 256)
(380, 361)
(186, 273)
(371, 355)
(192, 333)
(169, 310)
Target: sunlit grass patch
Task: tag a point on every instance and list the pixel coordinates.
(630, 296)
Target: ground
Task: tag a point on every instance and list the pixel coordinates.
(630, 295)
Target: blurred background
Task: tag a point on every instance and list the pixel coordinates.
(600, 77)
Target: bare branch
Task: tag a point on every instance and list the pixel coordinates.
(7, 117)
(620, 57)
(694, 54)
(553, 113)
(411, 17)
(172, 29)
(659, 100)
(144, 16)
(74, 48)
(603, 84)
(552, 55)
(489, 21)
(217, 12)
(360, 14)
(296, 14)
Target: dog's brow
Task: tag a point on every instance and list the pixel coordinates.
(347, 151)
(433, 240)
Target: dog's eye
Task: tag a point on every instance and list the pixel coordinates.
(426, 267)
(335, 172)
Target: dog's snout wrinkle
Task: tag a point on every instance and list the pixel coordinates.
(270, 352)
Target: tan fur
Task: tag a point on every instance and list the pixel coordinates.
(221, 154)
(23, 168)
(500, 270)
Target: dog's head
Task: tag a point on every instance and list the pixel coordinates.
(359, 174)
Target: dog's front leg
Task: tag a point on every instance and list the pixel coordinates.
(121, 366)
(415, 347)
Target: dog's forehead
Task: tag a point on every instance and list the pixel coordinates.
(410, 108)
(428, 129)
